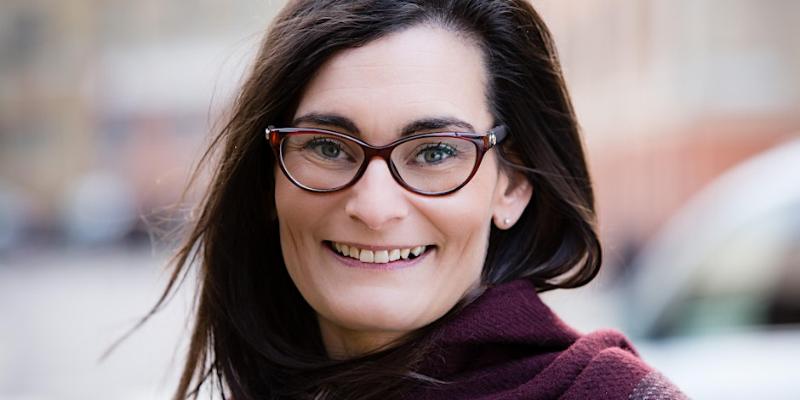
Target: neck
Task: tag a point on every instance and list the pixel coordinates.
(343, 343)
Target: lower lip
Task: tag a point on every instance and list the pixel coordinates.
(399, 264)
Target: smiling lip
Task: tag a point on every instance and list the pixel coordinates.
(399, 264)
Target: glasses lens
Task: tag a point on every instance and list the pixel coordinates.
(320, 161)
(435, 164)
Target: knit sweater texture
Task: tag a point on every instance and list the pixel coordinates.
(508, 344)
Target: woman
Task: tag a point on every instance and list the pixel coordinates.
(397, 181)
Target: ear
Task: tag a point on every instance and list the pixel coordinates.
(512, 195)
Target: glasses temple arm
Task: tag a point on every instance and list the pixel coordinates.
(500, 132)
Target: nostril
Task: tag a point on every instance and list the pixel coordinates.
(376, 209)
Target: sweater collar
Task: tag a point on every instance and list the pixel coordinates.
(507, 321)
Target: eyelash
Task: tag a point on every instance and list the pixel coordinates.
(321, 140)
(317, 141)
(439, 146)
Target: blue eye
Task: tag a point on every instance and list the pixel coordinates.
(435, 153)
(325, 147)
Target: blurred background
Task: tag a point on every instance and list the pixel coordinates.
(691, 116)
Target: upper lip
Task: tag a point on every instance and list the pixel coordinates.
(379, 247)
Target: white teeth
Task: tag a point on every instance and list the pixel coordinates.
(381, 256)
(366, 256)
(377, 256)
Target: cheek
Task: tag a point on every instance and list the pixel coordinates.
(286, 205)
(297, 214)
(464, 221)
(465, 217)
(298, 210)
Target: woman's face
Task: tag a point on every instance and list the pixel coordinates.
(381, 89)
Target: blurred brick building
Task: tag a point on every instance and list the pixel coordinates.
(127, 90)
(672, 93)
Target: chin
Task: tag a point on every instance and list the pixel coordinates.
(396, 313)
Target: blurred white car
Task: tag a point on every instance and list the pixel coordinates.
(713, 300)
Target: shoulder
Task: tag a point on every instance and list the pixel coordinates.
(614, 370)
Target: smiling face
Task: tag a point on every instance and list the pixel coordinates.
(423, 79)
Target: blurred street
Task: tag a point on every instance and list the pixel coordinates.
(62, 309)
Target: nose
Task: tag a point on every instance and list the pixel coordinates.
(377, 200)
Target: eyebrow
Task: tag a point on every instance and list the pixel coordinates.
(422, 124)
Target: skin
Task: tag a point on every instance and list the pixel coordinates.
(421, 72)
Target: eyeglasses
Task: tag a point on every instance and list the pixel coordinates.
(431, 164)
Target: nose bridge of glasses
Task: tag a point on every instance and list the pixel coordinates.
(371, 152)
(377, 155)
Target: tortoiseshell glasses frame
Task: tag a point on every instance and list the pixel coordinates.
(482, 143)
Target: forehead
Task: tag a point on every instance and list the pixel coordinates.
(420, 72)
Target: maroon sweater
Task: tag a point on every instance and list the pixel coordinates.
(507, 345)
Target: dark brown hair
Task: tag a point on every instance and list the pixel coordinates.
(254, 334)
